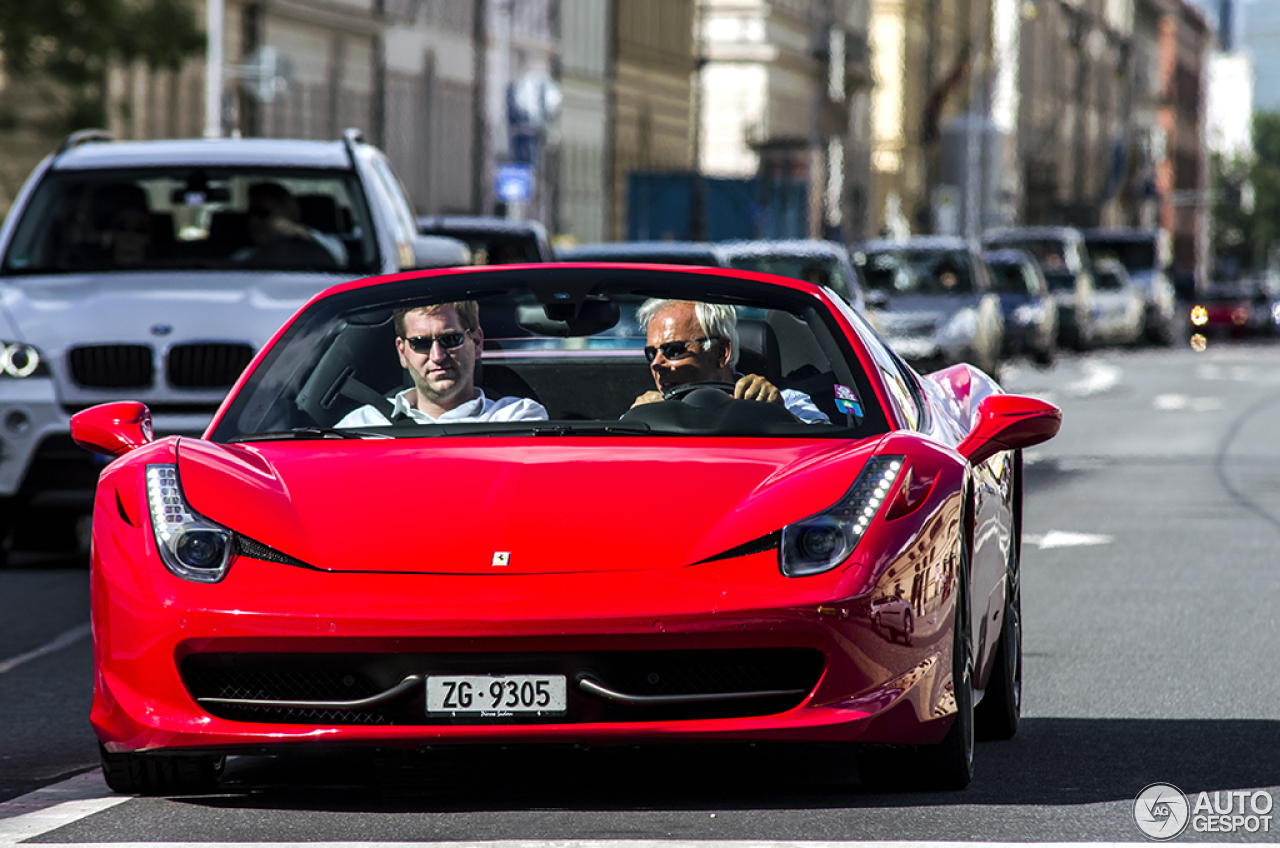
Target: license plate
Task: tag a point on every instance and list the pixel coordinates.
(496, 694)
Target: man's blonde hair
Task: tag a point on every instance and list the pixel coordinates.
(468, 313)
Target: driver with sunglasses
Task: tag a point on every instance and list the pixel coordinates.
(692, 342)
(439, 346)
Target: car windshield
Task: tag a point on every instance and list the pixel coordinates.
(1048, 252)
(488, 248)
(825, 271)
(918, 271)
(576, 366)
(193, 219)
(1010, 278)
(1133, 255)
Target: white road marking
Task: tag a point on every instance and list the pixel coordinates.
(1173, 403)
(1065, 539)
(70, 637)
(1098, 377)
(79, 797)
(55, 806)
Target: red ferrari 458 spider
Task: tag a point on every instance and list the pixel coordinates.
(588, 504)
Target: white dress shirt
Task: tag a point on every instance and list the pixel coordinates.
(480, 409)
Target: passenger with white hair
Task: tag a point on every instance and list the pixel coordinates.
(694, 342)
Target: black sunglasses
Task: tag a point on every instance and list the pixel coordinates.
(674, 350)
(448, 341)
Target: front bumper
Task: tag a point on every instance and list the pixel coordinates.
(164, 647)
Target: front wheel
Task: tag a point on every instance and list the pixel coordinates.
(178, 774)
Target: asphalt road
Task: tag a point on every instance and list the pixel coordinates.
(1150, 596)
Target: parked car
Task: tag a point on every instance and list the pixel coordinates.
(493, 241)
(825, 263)
(1064, 260)
(155, 270)
(243, 603)
(647, 252)
(1030, 314)
(1120, 305)
(1147, 256)
(933, 300)
(1236, 309)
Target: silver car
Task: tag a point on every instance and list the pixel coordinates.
(932, 299)
(154, 271)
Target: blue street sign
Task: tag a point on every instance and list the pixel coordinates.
(513, 183)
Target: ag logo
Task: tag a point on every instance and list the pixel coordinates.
(1161, 811)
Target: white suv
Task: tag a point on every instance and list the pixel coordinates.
(154, 271)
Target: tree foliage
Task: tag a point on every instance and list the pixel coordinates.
(74, 41)
(1246, 207)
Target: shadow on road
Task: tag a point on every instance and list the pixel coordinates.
(1051, 762)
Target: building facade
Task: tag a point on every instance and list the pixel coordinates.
(784, 93)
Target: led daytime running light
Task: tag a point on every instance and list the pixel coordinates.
(823, 541)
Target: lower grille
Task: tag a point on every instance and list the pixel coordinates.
(786, 674)
(206, 366)
(112, 366)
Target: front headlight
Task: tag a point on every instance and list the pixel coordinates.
(821, 542)
(20, 360)
(191, 546)
(962, 328)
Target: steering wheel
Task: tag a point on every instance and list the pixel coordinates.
(684, 389)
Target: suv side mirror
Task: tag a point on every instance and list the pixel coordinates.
(1009, 422)
(113, 429)
(877, 299)
(439, 252)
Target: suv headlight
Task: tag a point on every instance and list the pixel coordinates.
(21, 360)
(821, 542)
(191, 546)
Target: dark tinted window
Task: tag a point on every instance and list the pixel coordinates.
(920, 271)
(188, 219)
(1133, 255)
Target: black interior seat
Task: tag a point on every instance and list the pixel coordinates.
(758, 350)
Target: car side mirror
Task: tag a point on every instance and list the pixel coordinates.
(877, 299)
(1009, 422)
(439, 252)
(113, 429)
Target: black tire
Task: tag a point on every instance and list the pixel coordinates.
(949, 764)
(135, 774)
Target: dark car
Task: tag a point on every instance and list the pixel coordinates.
(493, 241)
(1236, 309)
(1064, 259)
(156, 270)
(647, 252)
(1030, 315)
(825, 263)
(933, 300)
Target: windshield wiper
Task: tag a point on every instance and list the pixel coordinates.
(594, 428)
(311, 433)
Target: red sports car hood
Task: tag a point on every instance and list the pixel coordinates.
(513, 506)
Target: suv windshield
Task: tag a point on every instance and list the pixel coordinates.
(1134, 255)
(918, 271)
(194, 218)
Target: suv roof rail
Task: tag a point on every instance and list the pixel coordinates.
(80, 137)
